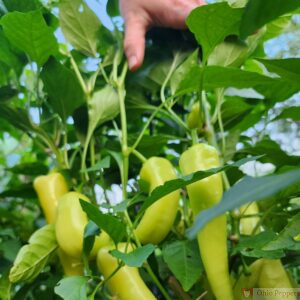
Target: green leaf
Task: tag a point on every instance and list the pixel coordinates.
(110, 224)
(183, 259)
(30, 33)
(277, 27)
(135, 258)
(183, 70)
(72, 288)
(90, 232)
(22, 6)
(252, 246)
(23, 191)
(33, 257)
(79, 25)
(35, 168)
(112, 8)
(101, 164)
(211, 24)
(276, 89)
(103, 106)
(6, 92)
(285, 239)
(173, 185)
(288, 68)
(5, 286)
(258, 13)
(63, 89)
(17, 117)
(247, 190)
(292, 112)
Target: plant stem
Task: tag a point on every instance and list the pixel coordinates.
(78, 74)
(139, 155)
(194, 136)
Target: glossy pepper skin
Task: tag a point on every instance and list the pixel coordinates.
(70, 223)
(212, 239)
(127, 283)
(49, 189)
(159, 217)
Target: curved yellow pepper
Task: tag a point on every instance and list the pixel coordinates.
(126, 283)
(212, 239)
(249, 223)
(159, 217)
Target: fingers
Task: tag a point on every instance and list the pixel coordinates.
(134, 42)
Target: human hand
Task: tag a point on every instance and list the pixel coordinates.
(140, 15)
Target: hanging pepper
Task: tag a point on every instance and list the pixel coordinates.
(212, 239)
(159, 217)
(70, 223)
(50, 188)
(126, 283)
(194, 120)
(264, 273)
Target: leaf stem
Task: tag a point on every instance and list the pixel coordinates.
(78, 74)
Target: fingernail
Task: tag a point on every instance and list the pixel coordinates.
(132, 61)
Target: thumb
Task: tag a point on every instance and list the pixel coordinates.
(134, 42)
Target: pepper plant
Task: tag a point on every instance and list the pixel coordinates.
(94, 204)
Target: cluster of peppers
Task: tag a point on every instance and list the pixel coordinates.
(63, 209)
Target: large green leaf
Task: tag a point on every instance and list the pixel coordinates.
(63, 89)
(285, 239)
(80, 25)
(110, 224)
(258, 13)
(183, 259)
(33, 257)
(276, 89)
(212, 23)
(248, 190)
(288, 68)
(5, 286)
(22, 6)
(30, 33)
(135, 258)
(72, 288)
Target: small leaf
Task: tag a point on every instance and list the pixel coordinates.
(22, 6)
(72, 288)
(110, 224)
(292, 113)
(101, 164)
(211, 24)
(285, 239)
(173, 185)
(113, 8)
(91, 230)
(258, 13)
(288, 68)
(5, 286)
(135, 258)
(34, 168)
(183, 259)
(30, 33)
(248, 190)
(79, 25)
(33, 257)
(63, 89)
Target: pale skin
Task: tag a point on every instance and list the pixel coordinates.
(140, 15)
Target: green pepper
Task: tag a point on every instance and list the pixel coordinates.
(194, 119)
(212, 239)
(126, 283)
(159, 217)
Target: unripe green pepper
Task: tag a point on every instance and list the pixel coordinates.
(49, 189)
(194, 119)
(212, 239)
(126, 283)
(159, 217)
(70, 223)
